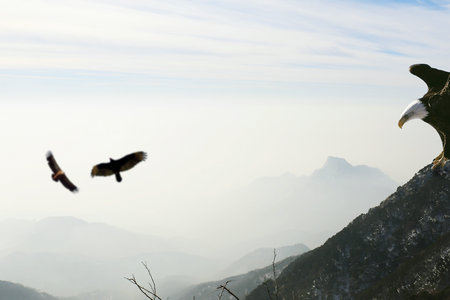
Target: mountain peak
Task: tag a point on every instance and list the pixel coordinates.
(336, 163)
(335, 167)
(338, 169)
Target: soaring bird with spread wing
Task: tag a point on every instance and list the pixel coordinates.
(433, 107)
(114, 167)
(58, 174)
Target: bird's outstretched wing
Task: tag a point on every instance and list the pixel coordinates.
(52, 162)
(434, 78)
(103, 169)
(67, 183)
(130, 160)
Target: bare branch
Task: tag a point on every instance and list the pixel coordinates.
(152, 284)
(146, 292)
(224, 287)
(219, 297)
(275, 273)
(275, 283)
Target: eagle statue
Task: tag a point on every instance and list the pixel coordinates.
(433, 107)
(58, 174)
(114, 167)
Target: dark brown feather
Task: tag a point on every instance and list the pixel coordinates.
(437, 104)
(103, 169)
(52, 162)
(130, 160)
(434, 78)
(68, 184)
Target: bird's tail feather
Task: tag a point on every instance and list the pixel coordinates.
(118, 177)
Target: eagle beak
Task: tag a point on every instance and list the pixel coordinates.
(403, 120)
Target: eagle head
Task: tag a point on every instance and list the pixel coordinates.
(415, 110)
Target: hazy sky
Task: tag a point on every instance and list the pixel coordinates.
(217, 92)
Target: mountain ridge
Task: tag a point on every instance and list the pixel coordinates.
(374, 245)
(261, 257)
(240, 284)
(332, 192)
(15, 291)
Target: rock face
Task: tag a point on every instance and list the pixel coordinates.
(399, 249)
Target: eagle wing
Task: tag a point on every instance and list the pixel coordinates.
(103, 169)
(434, 78)
(52, 162)
(67, 183)
(437, 100)
(130, 160)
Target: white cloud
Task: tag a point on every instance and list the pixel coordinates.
(271, 40)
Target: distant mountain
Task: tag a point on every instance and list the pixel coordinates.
(64, 274)
(67, 256)
(69, 235)
(398, 250)
(13, 232)
(14, 291)
(338, 167)
(241, 285)
(105, 295)
(324, 201)
(249, 271)
(262, 257)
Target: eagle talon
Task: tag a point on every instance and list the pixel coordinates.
(440, 163)
(438, 158)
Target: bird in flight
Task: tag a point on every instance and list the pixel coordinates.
(433, 108)
(114, 167)
(58, 174)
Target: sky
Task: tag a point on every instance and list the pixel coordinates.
(218, 93)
